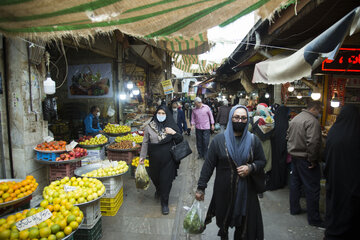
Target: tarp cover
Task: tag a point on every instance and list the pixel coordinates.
(282, 69)
(140, 18)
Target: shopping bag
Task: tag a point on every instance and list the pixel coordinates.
(194, 220)
(142, 180)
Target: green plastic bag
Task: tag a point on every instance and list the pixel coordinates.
(193, 221)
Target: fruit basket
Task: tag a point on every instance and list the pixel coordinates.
(89, 168)
(22, 198)
(116, 134)
(92, 146)
(93, 142)
(60, 162)
(114, 130)
(123, 146)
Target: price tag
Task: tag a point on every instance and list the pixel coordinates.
(98, 136)
(71, 146)
(116, 125)
(134, 144)
(48, 139)
(134, 134)
(33, 220)
(68, 188)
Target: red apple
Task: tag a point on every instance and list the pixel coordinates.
(57, 159)
(72, 154)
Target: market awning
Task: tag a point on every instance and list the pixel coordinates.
(149, 19)
(282, 69)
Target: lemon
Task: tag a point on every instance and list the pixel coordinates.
(55, 228)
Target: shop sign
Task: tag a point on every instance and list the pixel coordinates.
(167, 87)
(347, 60)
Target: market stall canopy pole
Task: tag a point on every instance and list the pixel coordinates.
(280, 69)
(149, 19)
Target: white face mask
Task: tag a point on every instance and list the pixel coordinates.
(160, 118)
(98, 114)
(174, 109)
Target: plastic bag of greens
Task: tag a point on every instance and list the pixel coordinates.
(194, 222)
(142, 179)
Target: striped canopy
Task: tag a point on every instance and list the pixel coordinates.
(49, 19)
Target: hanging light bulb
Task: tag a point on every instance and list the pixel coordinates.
(49, 84)
(136, 91)
(316, 95)
(335, 102)
(291, 88)
(267, 95)
(299, 96)
(122, 96)
(130, 85)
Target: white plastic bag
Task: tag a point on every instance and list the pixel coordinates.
(194, 220)
(142, 180)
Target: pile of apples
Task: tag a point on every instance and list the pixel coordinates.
(75, 153)
(84, 138)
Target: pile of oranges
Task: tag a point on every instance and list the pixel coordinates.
(10, 191)
(64, 220)
(51, 146)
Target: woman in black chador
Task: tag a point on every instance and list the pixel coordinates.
(160, 135)
(238, 158)
(342, 172)
(278, 174)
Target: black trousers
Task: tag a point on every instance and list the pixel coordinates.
(300, 175)
(202, 141)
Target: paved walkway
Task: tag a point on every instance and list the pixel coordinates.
(140, 216)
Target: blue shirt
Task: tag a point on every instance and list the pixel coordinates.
(88, 121)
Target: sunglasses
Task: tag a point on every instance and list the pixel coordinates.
(238, 118)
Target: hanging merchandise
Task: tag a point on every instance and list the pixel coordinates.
(49, 84)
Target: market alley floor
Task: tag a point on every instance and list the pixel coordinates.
(140, 218)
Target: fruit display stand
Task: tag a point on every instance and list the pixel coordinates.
(122, 154)
(15, 205)
(95, 150)
(113, 196)
(94, 233)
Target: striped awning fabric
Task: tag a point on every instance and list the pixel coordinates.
(174, 21)
(192, 64)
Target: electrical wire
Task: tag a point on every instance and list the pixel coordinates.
(66, 65)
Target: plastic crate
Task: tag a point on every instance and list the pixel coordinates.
(94, 233)
(91, 214)
(121, 156)
(110, 206)
(60, 171)
(47, 156)
(113, 186)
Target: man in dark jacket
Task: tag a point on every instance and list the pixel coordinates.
(304, 142)
(223, 115)
(179, 116)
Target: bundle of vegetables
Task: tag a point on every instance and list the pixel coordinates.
(142, 179)
(193, 222)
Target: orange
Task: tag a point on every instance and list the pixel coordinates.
(50, 207)
(68, 230)
(55, 228)
(74, 225)
(63, 224)
(52, 237)
(45, 232)
(24, 234)
(5, 234)
(56, 207)
(60, 235)
(44, 203)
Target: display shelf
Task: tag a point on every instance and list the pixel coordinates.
(352, 86)
(353, 102)
(295, 105)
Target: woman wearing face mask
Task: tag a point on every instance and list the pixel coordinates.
(91, 122)
(237, 156)
(159, 136)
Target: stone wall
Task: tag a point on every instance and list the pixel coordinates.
(27, 127)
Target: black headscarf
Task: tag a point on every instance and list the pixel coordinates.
(342, 155)
(169, 121)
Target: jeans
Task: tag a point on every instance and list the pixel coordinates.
(202, 141)
(302, 175)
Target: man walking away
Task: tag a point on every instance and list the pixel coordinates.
(179, 116)
(223, 115)
(201, 120)
(304, 142)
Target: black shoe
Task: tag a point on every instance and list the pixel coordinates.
(165, 209)
(299, 212)
(318, 224)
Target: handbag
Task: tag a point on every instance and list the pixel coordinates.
(180, 151)
(257, 178)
